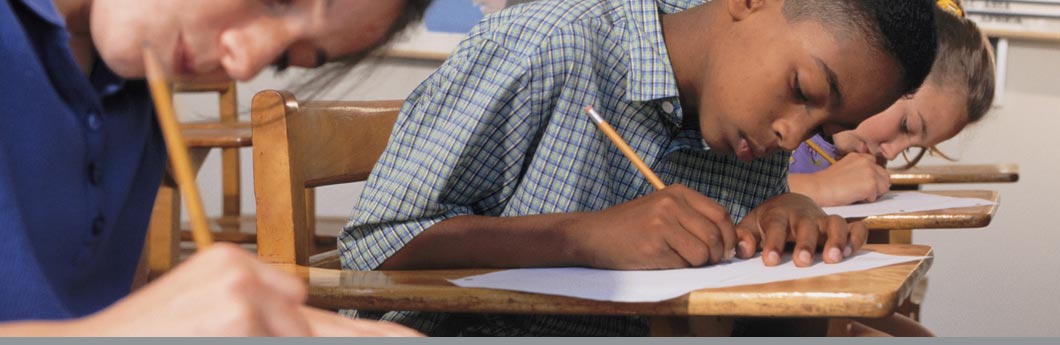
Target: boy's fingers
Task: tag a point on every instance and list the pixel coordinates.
(838, 235)
(748, 235)
(806, 235)
(719, 216)
(859, 234)
(775, 228)
(706, 232)
(692, 251)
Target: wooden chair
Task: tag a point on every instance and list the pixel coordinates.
(228, 134)
(162, 250)
(305, 145)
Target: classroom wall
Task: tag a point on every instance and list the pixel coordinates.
(999, 281)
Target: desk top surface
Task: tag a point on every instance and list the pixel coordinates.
(956, 173)
(963, 217)
(871, 293)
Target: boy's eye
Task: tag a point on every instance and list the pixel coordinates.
(799, 95)
(278, 6)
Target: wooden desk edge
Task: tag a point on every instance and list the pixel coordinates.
(940, 219)
(724, 302)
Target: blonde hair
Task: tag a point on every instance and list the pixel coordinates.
(965, 60)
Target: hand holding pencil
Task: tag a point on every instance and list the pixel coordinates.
(673, 227)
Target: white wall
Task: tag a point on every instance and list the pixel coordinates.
(1003, 280)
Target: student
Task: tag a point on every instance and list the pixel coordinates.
(958, 92)
(492, 162)
(81, 158)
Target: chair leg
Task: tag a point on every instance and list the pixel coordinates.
(163, 234)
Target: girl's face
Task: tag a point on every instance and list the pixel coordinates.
(218, 40)
(931, 116)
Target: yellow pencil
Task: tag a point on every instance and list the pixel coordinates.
(179, 158)
(820, 151)
(622, 146)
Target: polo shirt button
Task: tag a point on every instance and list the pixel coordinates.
(97, 226)
(668, 107)
(95, 174)
(95, 122)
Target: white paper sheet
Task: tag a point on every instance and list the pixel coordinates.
(904, 202)
(653, 286)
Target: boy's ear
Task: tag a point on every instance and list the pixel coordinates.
(740, 9)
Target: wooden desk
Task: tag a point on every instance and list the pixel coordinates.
(872, 293)
(987, 173)
(964, 217)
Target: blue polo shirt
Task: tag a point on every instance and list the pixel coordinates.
(81, 160)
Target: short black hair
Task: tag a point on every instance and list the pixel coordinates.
(902, 29)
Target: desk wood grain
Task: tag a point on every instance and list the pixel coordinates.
(871, 293)
(957, 173)
(964, 217)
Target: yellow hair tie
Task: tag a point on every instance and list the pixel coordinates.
(952, 6)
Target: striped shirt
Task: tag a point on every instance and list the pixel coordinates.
(499, 131)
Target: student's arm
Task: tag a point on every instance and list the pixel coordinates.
(224, 291)
(855, 177)
(675, 227)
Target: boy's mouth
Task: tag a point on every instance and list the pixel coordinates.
(744, 150)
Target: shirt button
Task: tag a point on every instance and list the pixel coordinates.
(95, 122)
(668, 107)
(95, 174)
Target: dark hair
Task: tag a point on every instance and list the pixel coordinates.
(312, 84)
(966, 61)
(901, 29)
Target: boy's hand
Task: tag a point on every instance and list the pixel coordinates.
(671, 228)
(855, 177)
(225, 291)
(794, 217)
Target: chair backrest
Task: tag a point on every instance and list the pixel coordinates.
(228, 114)
(309, 144)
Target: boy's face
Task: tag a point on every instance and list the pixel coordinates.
(778, 82)
(211, 41)
(931, 116)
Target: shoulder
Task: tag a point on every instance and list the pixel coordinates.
(523, 30)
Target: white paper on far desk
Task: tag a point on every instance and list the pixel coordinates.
(904, 202)
(654, 286)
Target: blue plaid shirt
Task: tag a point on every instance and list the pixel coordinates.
(499, 130)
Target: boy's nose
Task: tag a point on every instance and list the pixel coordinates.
(247, 50)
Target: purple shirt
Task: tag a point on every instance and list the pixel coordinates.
(805, 160)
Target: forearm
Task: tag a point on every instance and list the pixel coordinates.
(807, 185)
(474, 241)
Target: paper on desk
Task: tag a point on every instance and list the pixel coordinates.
(904, 202)
(654, 286)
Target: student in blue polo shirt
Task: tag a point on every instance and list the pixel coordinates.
(81, 159)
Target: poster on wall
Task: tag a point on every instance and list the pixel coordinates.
(1016, 18)
(443, 27)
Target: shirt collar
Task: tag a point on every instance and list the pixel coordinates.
(45, 9)
(651, 76)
